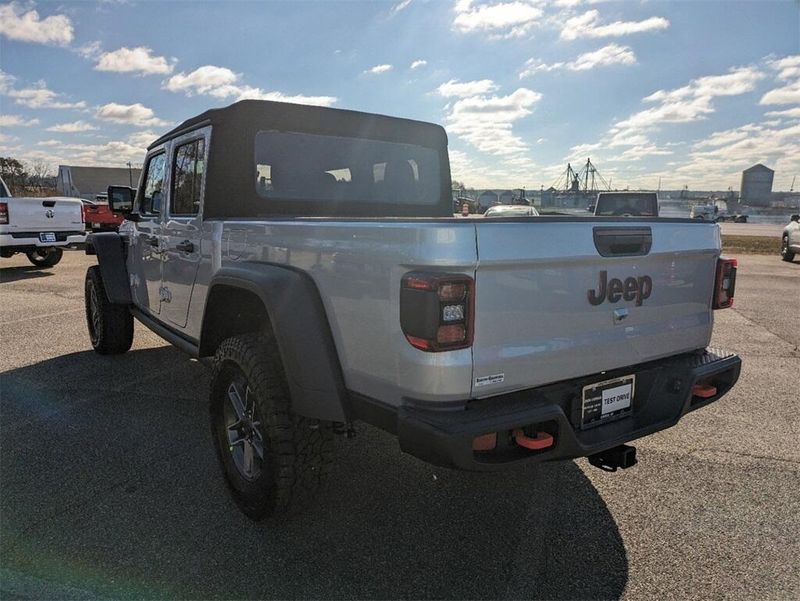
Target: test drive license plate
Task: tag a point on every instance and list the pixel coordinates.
(47, 237)
(607, 400)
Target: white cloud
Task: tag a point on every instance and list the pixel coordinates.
(26, 26)
(789, 113)
(486, 122)
(724, 154)
(6, 139)
(16, 121)
(42, 98)
(71, 128)
(788, 94)
(37, 97)
(378, 69)
(463, 89)
(692, 102)
(207, 79)
(418, 63)
(221, 82)
(588, 25)
(114, 153)
(500, 19)
(131, 114)
(130, 60)
(400, 6)
(788, 69)
(636, 153)
(612, 54)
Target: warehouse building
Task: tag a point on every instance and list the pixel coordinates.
(756, 188)
(88, 182)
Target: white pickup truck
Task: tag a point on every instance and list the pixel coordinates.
(39, 227)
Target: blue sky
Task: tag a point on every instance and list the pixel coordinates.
(690, 92)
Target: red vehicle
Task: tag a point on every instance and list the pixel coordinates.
(98, 215)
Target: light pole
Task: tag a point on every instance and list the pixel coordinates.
(130, 176)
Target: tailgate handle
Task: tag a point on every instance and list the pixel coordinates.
(623, 241)
(48, 203)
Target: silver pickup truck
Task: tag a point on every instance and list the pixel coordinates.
(311, 255)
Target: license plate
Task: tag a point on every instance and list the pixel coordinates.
(608, 400)
(47, 237)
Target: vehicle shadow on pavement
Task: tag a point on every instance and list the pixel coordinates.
(110, 488)
(25, 272)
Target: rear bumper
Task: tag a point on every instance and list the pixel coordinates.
(663, 395)
(25, 241)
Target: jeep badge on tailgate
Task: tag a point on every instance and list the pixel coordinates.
(637, 289)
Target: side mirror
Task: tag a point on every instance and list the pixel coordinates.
(120, 199)
(795, 217)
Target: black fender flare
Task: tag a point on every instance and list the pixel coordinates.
(302, 332)
(110, 250)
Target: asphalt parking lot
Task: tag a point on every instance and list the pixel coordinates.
(109, 486)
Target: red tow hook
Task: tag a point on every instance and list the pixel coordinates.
(542, 440)
(704, 391)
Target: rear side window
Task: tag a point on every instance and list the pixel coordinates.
(309, 167)
(153, 190)
(187, 178)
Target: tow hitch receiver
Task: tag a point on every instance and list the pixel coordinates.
(623, 456)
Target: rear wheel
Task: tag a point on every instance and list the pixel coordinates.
(110, 325)
(786, 254)
(273, 460)
(46, 256)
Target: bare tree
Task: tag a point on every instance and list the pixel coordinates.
(39, 172)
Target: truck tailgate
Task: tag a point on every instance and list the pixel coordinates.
(542, 313)
(44, 214)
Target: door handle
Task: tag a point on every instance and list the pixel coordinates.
(185, 246)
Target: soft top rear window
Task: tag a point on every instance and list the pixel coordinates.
(309, 167)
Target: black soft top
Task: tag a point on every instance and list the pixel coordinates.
(231, 170)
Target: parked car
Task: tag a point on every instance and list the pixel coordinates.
(790, 240)
(511, 211)
(626, 204)
(39, 227)
(480, 343)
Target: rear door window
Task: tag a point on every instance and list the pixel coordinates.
(187, 178)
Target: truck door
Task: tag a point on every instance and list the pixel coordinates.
(183, 225)
(146, 245)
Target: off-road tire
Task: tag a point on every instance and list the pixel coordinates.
(110, 325)
(786, 254)
(52, 256)
(297, 450)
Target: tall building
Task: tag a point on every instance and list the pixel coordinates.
(756, 188)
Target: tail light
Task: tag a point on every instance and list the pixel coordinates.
(725, 283)
(437, 310)
(4, 213)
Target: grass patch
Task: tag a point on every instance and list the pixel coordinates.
(756, 245)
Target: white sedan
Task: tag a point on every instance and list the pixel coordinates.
(790, 242)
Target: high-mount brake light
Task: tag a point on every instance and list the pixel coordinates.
(437, 310)
(4, 213)
(725, 283)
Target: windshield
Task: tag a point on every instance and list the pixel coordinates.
(511, 212)
(640, 205)
(310, 167)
